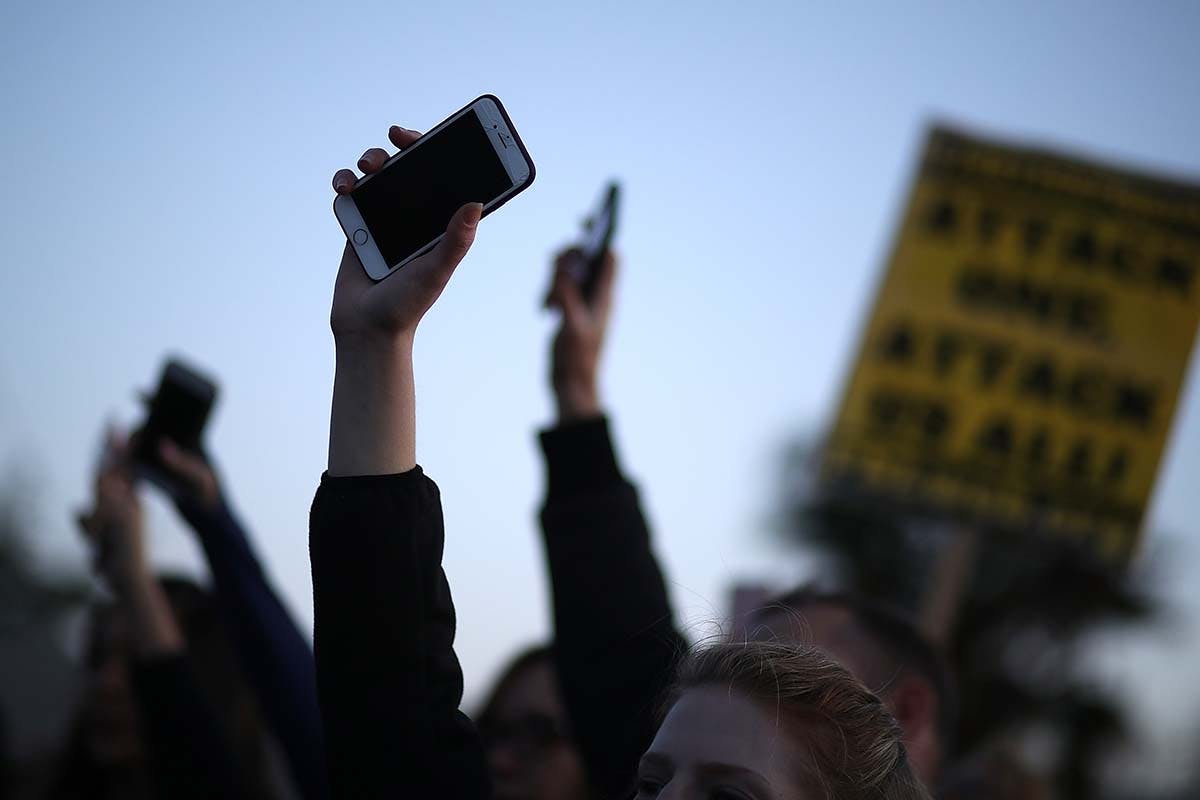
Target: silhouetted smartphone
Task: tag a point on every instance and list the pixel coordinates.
(179, 411)
(598, 233)
(401, 212)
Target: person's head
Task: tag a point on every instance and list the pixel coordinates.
(107, 737)
(884, 650)
(526, 736)
(107, 721)
(773, 721)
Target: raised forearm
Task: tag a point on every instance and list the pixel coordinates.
(155, 630)
(372, 427)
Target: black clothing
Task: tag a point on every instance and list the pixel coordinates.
(388, 681)
(187, 752)
(616, 643)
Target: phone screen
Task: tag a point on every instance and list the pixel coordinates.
(409, 203)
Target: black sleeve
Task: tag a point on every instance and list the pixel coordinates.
(187, 752)
(388, 680)
(615, 637)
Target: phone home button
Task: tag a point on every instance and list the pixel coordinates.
(360, 236)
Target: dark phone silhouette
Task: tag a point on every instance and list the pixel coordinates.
(178, 411)
(599, 231)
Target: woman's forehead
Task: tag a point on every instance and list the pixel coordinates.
(719, 725)
(533, 688)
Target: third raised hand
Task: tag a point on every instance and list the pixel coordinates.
(579, 341)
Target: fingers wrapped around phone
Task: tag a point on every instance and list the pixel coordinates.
(402, 137)
(569, 273)
(568, 268)
(343, 181)
(192, 473)
(565, 292)
(373, 159)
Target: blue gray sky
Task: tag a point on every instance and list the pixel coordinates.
(169, 170)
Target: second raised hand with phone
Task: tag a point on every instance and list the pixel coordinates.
(401, 207)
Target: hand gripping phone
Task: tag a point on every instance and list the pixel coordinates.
(401, 211)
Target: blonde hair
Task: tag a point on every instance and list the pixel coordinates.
(856, 744)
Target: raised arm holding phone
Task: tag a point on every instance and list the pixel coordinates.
(388, 678)
(615, 650)
(274, 655)
(185, 750)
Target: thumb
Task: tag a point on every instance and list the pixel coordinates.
(460, 234)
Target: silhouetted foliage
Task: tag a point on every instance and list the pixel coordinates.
(28, 596)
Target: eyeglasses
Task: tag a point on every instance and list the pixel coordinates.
(527, 733)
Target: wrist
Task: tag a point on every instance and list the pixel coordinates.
(198, 499)
(372, 424)
(133, 582)
(155, 630)
(376, 346)
(576, 402)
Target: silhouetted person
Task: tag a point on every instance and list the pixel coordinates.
(125, 697)
(884, 649)
(388, 680)
(772, 720)
(164, 712)
(275, 656)
(617, 649)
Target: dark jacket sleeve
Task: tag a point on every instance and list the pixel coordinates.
(188, 754)
(273, 653)
(615, 637)
(388, 680)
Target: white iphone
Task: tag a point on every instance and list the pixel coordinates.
(401, 211)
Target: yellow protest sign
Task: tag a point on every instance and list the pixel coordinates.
(1023, 359)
